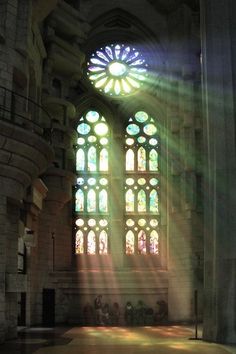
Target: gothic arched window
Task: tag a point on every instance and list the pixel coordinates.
(141, 185)
(91, 196)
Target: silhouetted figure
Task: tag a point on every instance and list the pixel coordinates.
(129, 314)
(106, 315)
(98, 310)
(161, 312)
(139, 313)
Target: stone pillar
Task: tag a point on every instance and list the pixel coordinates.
(2, 265)
(218, 33)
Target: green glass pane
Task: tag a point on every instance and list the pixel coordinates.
(79, 242)
(129, 244)
(79, 201)
(129, 141)
(153, 160)
(130, 222)
(91, 243)
(91, 201)
(141, 116)
(103, 161)
(101, 129)
(154, 243)
(92, 181)
(130, 181)
(141, 201)
(129, 201)
(153, 141)
(141, 181)
(83, 128)
(103, 207)
(141, 139)
(142, 239)
(92, 159)
(80, 160)
(80, 141)
(103, 242)
(129, 160)
(141, 159)
(92, 116)
(153, 181)
(154, 208)
(150, 129)
(132, 129)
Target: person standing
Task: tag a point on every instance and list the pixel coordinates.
(98, 310)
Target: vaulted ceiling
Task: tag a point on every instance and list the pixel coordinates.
(167, 6)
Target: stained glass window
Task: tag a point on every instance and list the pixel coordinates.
(91, 196)
(117, 69)
(142, 185)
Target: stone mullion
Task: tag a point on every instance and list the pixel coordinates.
(2, 265)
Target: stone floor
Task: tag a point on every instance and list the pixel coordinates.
(111, 340)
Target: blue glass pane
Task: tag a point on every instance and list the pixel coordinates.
(132, 129)
(83, 128)
(92, 159)
(154, 207)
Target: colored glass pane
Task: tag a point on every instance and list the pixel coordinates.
(79, 242)
(92, 116)
(103, 222)
(154, 222)
(103, 207)
(154, 201)
(129, 200)
(81, 141)
(80, 181)
(91, 243)
(153, 181)
(79, 222)
(103, 242)
(132, 129)
(142, 222)
(141, 159)
(141, 181)
(141, 116)
(153, 160)
(154, 243)
(103, 161)
(142, 240)
(141, 201)
(92, 181)
(92, 159)
(91, 201)
(92, 139)
(80, 160)
(129, 244)
(104, 141)
(149, 129)
(129, 181)
(79, 200)
(91, 222)
(129, 141)
(103, 181)
(83, 128)
(101, 129)
(129, 160)
(153, 141)
(141, 139)
(130, 222)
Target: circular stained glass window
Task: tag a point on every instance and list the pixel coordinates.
(117, 69)
(130, 222)
(91, 181)
(80, 141)
(101, 129)
(141, 139)
(103, 181)
(153, 222)
(129, 141)
(104, 141)
(92, 116)
(92, 139)
(153, 142)
(79, 222)
(103, 222)
(153, 181)
(92, 222)
(80, 181)
(130, 181)
(132, 129)
(150, 129)
(141, 116)
(83, 128)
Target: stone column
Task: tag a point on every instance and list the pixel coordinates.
(2, 265)
(218, 30)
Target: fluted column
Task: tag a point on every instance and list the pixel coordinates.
(218, 30)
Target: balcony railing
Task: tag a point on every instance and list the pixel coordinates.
(25, 113)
